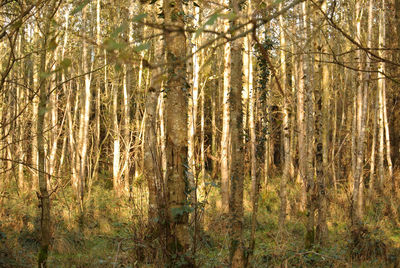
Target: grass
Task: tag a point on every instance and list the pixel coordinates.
(114, 234)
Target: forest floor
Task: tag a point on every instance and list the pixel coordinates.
(113, 233)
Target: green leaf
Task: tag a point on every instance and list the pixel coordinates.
(212, 184)
(44, 74)
(79, 7)
(65, 63)
(179, 211)
(139, 17)
(118, 67)
(142, 47)
(213, 18)
(53, 43)
(111, 45)
(230, 16)
(119, 30)
(198, 32)
(278, 2)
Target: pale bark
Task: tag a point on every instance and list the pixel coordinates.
(362, 94)
(192, 111)
(35, 105)
(116, 141)
(225, 137)
(309, 83)
(285, 126)
(252, 130)
(82, 140)
(301, 127)
(126, 127)
(214, 138)
(381, 90)
(44, 197)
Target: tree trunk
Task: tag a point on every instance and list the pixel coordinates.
(236, 249)
(225, 138)
(285, 126)
(322, 229)
(176, 135)
(45, 221)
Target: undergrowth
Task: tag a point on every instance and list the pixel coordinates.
(114, 232)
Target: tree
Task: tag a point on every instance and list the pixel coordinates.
(176, 133)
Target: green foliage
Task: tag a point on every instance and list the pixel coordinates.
(139, 17)
(211, 20)
(263, 71)
(111, 44)
(112, 223)
(79, 7)
(180, 211)
(141, 47)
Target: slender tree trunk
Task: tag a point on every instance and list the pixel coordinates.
(252, 129)
(301, 127)
(35, 107)
(152, 170)
(236, 249)
(362, 94)
(85, 100)
(126, 128)
(116, 134)
(97, 94)
(285, 126)
(225, 138)
(322, 229)
(214, 138)
(309, 137)
(45, 221)
(381, 86)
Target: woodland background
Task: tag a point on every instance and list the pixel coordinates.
(180, 133)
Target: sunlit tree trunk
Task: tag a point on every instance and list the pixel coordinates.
(152, 170)
(193, 110)
(82, 141)
(126, 127)
(285, 125)
(45, 222)
(116, 140)
(381, 90)
(236, 249)
(176, 133)
(362, 94)
(225, 137)
(214, 146)
(301, 127)
(309, 83)
(35, 102)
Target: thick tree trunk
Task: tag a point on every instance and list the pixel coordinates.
(176, 135)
